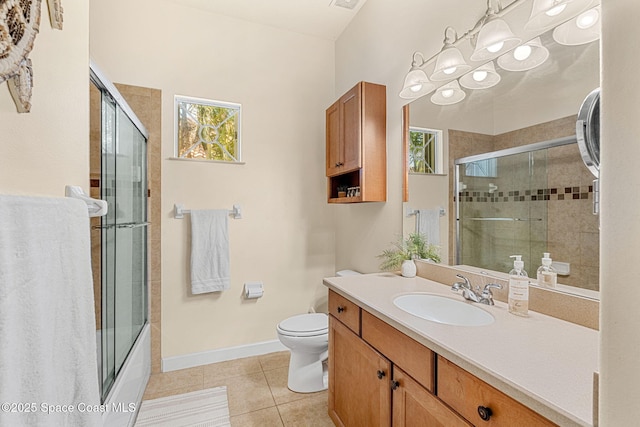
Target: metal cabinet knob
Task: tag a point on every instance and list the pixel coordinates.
(484, 412)
(341, 309)
(395, 385)
(381, 374)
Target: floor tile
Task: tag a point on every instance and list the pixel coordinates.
(269, 417)
(275, 360)
(155, 394)
(277, 379)
(217, 372)
(309, 412)
(247, 393)
(174, 380)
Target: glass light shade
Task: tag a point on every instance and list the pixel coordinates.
(449, 64)
(538, 54)
(448, 94)
(546, 14)
(482, 77)
(494, 38)
(416, 84)
(584, 28)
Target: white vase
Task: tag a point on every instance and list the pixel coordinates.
(408, 268)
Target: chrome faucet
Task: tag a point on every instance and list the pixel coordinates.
(483, 297)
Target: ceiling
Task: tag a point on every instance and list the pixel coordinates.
(320, 18)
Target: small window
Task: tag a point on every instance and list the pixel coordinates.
(425, 151)
(207, 130)
(487, 168)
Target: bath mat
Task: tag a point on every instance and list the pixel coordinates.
(203, 408)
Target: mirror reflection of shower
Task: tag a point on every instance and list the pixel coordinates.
(527, 200)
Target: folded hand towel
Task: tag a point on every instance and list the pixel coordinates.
(47, 321)
(210, 271)
(429, 225)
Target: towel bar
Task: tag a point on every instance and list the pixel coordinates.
(179, 211)
(411, 212)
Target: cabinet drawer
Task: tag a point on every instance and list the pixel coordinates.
(408, 354)
(345, 311)
(466, 393)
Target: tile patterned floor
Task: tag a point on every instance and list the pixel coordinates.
(256, 389)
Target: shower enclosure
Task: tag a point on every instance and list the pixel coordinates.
(119, 247)
(502, 204)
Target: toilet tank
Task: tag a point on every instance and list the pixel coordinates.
(343, 273)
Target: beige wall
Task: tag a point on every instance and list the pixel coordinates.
(284, 82)
(48, 148)
(620, 225)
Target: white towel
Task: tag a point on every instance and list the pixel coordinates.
(429, 225)
(210, 271)
(47, 321)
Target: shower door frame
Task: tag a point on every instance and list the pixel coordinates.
(537, 146)
(132, 376)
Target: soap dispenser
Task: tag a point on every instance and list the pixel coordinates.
(547, 275)
(518, 288)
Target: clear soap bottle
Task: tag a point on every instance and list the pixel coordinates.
(546, 274)
(518, 288)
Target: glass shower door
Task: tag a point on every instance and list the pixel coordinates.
(124, 237)
(502, 210)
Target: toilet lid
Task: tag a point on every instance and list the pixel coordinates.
(305, 324)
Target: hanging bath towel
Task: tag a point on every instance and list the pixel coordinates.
(47, 320)
(210, 271)
(429, 225)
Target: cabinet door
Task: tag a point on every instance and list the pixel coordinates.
(351, 130)
(413, 405)
(359, 377)
(334, 153)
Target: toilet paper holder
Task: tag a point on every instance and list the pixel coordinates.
(253, 290)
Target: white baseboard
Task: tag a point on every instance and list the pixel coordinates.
(174, 363)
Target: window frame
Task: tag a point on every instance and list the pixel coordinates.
(178, 99)
(438, 168)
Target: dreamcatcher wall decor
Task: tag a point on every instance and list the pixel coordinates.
(19, 25)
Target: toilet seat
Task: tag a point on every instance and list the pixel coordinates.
(305, 325)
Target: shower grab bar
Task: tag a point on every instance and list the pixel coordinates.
(179, 211)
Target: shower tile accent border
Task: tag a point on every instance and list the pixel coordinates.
(147, 105)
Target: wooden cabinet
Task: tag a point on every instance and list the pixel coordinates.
(359, 391)
(413, 405)
(356, 144)
(479, 402)
(379, 376)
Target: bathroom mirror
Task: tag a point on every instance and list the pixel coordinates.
(525, 107)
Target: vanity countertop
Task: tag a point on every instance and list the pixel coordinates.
(546, 363)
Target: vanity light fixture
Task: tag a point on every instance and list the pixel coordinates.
(576, 22)
(525, 57)
(482, 77)
(495, 37)
(448, 94)
(416, 83)
(449, 62)
(582, 29)
(546, 14)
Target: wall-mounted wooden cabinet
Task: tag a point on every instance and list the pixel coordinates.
(356, 133)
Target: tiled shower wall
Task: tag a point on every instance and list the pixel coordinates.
(565, 193)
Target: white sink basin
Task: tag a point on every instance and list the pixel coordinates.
(449, 311)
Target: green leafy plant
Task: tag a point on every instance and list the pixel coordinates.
(413, 247)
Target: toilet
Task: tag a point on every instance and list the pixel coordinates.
(307, 337)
